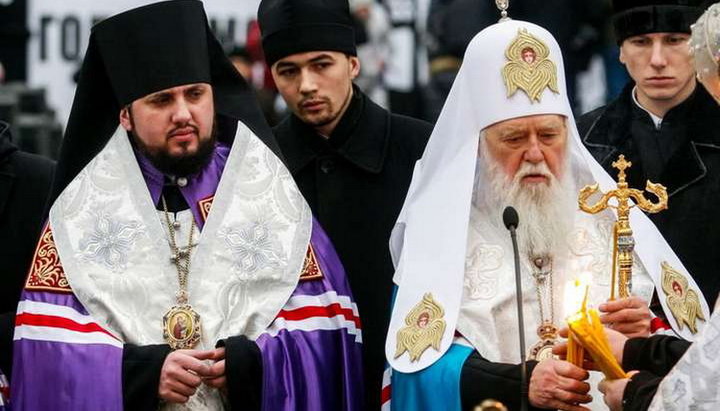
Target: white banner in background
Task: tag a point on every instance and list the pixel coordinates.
(60, 31)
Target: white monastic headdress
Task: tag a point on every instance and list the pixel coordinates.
(429, 241)
(705, 47)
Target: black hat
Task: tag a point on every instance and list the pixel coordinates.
(142, 51)
(635, 17)
(297, 26)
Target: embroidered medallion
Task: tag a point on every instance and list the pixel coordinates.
(205, 204)
(311, 269)
(181, 327)
(684, 302)
(46, 272)
(424, 329)
(529, 67)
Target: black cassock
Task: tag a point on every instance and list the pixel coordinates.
(355, 183)
(654, 357)
(24, 188)
(684, 156)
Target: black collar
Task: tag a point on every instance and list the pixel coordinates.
(699, 112)
(361, 137)
(609, 135)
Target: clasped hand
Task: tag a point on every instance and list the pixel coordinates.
(184, 370)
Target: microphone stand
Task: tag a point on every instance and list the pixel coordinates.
(521, 324)
(510, 219)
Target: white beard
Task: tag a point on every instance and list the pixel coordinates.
(546, 210)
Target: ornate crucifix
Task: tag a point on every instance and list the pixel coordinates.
(623, 242)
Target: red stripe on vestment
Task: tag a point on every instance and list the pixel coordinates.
(328, 311)
(40, 320)
(657, 324)
(385, 394)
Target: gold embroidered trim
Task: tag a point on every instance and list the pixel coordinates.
(529, 67)
(46, 272)
(684, 302)
(205, 204)
(311, 269)
(424, 328)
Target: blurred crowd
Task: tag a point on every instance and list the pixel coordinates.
(410, 52)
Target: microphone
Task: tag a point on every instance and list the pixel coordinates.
(511, 221)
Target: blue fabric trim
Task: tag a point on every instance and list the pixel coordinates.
(435, 388)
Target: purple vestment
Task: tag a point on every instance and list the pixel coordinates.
(199, 186)
(311, 352)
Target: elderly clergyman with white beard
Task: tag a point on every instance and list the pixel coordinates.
(506, 136)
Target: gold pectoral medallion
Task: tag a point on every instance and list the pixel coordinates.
(684, 302)
(181, 327)
(542, 350)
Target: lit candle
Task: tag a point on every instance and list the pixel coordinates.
(587, 333)
(576, 295)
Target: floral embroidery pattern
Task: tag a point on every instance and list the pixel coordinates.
(110, 241)
(481, 268)
(253, 247)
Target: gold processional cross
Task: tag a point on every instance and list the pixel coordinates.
(623, 242)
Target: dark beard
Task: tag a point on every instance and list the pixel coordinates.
(182, 166)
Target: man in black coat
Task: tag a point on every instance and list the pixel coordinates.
(352, 159)
(24, 186)
(668, 128)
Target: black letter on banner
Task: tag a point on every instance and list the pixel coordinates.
(70, 39)
(44, 22)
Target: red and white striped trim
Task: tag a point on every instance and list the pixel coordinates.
(58, 323)
(659, 326)
(386, 393)
(4, 390)
(328, 311)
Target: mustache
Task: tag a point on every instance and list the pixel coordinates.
(183, 129)
(530, 169)
(313, 99)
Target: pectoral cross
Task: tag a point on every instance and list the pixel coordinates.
(623, 242)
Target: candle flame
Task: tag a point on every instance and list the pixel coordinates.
(576, 293)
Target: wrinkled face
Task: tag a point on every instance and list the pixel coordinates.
(532, 139)
(660, 64)
(317, 86)
(172, 125)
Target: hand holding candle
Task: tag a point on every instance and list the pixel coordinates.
(588, 334)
